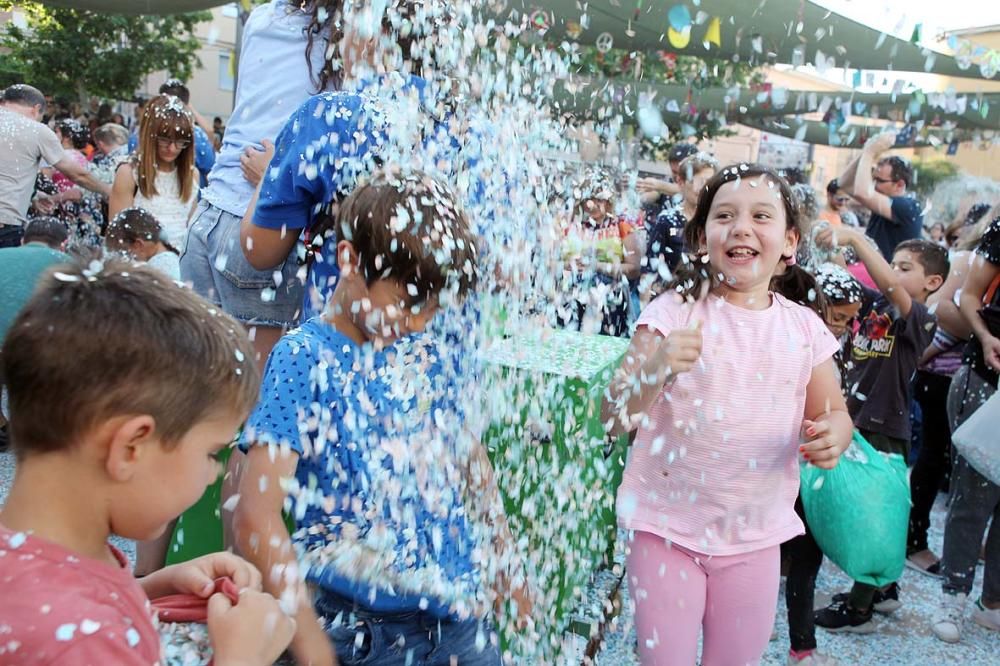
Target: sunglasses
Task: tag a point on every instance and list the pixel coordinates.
(166, 142)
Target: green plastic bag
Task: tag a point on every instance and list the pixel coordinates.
(859, 512)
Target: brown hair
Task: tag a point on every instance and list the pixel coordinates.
(408, 228)
(410, 24)
(901, 169)
(693, 271)
(164, 116)
(131, 225)
(930, 255)
(694, 163)
(114, 339)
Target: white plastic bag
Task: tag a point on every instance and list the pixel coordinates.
(978, 439)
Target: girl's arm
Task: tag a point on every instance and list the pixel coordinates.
(263, 539)
(981, 275)
(122, 191)
(651, 361)
(827, 427)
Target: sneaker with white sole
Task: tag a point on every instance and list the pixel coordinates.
(840, 616)
(885, 602)
(986, 617)
(816, 658)
(947, 624)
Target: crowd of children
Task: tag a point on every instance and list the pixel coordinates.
(767, 331)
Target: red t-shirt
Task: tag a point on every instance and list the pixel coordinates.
(59, 608)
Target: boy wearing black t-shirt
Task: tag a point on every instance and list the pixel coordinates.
(895, 329)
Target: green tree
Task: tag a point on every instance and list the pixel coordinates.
(77, 53)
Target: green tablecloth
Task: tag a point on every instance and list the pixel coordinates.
(554, 465)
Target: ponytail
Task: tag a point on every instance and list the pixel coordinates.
(799, 286)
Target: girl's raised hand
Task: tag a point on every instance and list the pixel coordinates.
(822, 447)
(681, 350)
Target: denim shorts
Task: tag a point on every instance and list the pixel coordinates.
(214, 265)
(367, 638)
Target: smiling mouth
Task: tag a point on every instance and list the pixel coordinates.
(742, 253)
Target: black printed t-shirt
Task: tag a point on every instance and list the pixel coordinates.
(883, 359)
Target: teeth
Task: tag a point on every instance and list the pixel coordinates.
(742, 252)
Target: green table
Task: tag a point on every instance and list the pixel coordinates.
(555, 467)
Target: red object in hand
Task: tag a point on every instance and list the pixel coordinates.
(191, 607)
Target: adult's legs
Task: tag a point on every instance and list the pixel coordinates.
(668, 586)
(741, 602)
(973, 500)
(973, 497)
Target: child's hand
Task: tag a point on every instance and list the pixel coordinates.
(822, 447)
(198, 576)
(829, 238)
(682, 349)
(991, 352)
(254, 631)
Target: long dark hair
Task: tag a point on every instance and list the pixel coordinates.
(412, 24)
(694, 274)
(325, 18)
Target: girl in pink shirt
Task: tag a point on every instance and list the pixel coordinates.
(722, 379)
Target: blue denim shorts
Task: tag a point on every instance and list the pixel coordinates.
(214, 265)
(366, 638)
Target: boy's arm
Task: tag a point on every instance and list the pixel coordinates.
(877, 266)
(263, 539)
(864, 185)
(511, 579)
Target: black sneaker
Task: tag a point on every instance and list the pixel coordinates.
(840, 616)
(885, 601)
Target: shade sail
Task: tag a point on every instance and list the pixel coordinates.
(596, 96)
(783, 31)
(604, 99)
(137, 6)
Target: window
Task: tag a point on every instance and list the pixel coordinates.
(231, 10)
(226, 78)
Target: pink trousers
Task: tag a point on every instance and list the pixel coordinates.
(679, 594)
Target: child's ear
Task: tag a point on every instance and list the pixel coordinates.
(128, 442)
(792, 237)
(348, 259)
(933, 283)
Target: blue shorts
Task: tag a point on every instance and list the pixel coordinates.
(214, 265)
(367, 638)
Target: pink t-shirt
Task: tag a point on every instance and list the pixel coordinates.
(59, 608)
(716, 468)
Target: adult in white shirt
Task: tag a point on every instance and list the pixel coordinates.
(24, 143)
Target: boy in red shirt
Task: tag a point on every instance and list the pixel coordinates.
(123, 387)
